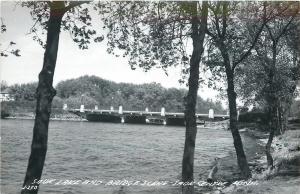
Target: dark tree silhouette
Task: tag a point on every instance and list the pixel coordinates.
(49, 17)
(230, 44)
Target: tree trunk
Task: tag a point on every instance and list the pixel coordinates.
(213, 171)
(237, 141)
(44, 93)
(273, 105)
(272, 117)
(285, 118)
(198, 35)
(280, 118)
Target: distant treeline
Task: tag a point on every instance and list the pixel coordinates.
(92, 90)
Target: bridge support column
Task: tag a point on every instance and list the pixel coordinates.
(81, 108)
(165, 122)
(163, 112)
(211, 114)
(120, 110)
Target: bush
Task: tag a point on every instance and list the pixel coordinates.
(253, 117)
(4, 114)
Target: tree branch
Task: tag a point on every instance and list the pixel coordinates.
(217, 18)
(74, 4)
(248, 52)
(265, 61)
(270, 33)
(210, 34)
(284, 29)
(224, 18)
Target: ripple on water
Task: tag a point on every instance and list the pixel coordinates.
(103, 151)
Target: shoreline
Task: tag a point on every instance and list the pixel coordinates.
(286, 155)
(228, 168)
(51, 119)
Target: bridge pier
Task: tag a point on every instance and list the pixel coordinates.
(175, 121)
(163, 112)
(81, 108)
(137, 119)
(211, 114)
(165, 122)
(120, 110)
(109, 118)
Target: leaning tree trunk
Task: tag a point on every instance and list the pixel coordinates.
(45, 93)
(198, 34)
(237, 141)
(273, 106)
(273, 121)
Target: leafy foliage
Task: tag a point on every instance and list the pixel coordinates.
(130, 96)
(231, 35)
(76, 101)
(23, 92)
(3, 85)
(92, 90)
(10, 47)
(77, 21)
(149, 33)
(275, 56)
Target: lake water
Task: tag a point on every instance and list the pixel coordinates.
(105, 152)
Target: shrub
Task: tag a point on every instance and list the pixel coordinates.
(253, 117)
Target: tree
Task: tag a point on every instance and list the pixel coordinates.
(24, 92)
(49, 16)
(274, 69)
(154, 34)
(198, 34)
(229, 46)
(130, 96)
(76, 101)
(3, 85)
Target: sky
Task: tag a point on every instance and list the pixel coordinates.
(71, 61)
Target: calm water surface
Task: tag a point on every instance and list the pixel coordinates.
(105, 151)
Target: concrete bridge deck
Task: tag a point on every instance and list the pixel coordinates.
(143, 117)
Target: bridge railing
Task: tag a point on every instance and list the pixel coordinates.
(162, 113)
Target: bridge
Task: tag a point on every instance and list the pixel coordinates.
(142, 117)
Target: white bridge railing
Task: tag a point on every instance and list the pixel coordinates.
(163, 112)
